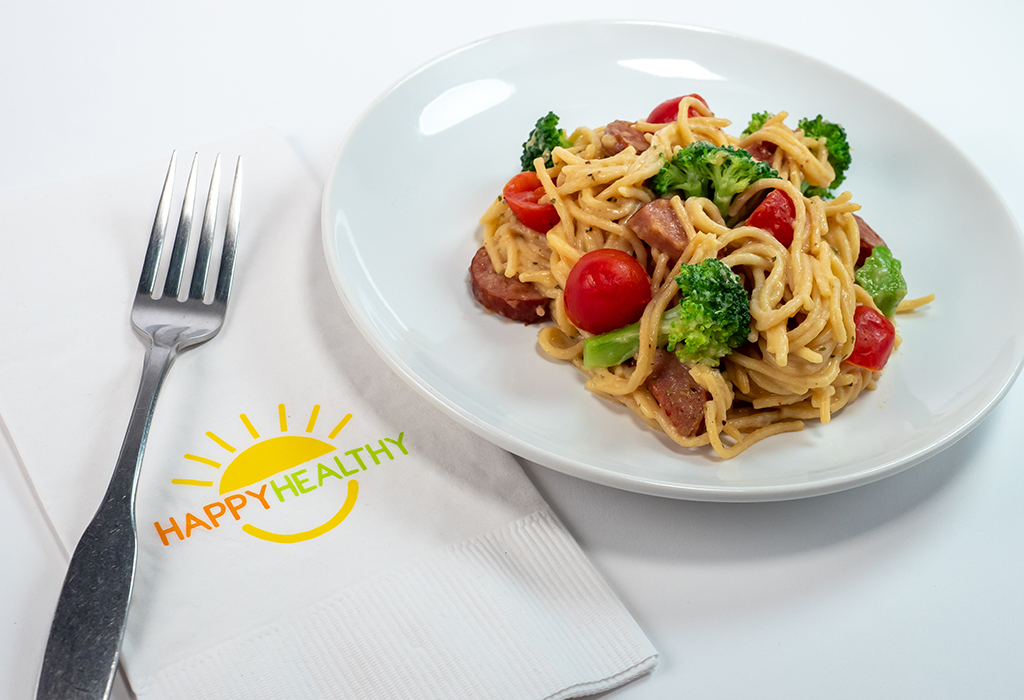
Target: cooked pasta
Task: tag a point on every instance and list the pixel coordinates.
(802, 296)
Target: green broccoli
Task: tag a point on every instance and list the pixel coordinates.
(714, 313)
(881, 276)
(838, 152)
(543, 139)
(716, 172)
(615, 347)
(757, 120)
(710, 321)
(679, 174)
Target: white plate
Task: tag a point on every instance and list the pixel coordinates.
(410, 182)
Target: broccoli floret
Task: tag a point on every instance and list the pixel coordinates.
(680, 175)
(838, 151)
(543, 139)
(716, 172)
(710, 321)
(714, 313)
(757, 120)
(881, 276)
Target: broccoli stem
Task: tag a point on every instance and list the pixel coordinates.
(615, 347)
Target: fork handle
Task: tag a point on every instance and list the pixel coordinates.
(88, 625)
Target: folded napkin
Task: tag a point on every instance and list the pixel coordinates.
(309, 526)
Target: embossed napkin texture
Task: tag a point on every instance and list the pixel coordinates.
(309, 526)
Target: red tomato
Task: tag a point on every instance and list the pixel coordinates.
(526, 198)
(668, 110)
(876, 338)
(775, 215)
(606, 289)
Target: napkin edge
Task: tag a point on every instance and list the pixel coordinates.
(5, 433)
(616, 680)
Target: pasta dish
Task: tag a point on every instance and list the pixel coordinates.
(718, 285)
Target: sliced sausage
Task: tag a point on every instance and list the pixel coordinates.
(657, 225)
(868, 240)
(507, 296)
(680, 397)
(619, 135)
(762, 150)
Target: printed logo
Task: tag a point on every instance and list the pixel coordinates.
(279, 461)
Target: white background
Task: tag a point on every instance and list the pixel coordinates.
(910, 587)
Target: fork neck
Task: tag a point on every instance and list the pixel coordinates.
(124, 483)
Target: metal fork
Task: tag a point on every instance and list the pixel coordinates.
(88, 625)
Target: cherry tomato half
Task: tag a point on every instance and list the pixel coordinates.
(876, 338)
(526, 198)
(668, 110)
(775, 215)
(606, 289)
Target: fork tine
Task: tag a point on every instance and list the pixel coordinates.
(202, 264)
(147, 281)
(177, 265)
(227, 258)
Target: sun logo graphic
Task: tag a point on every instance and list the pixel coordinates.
(282, 462)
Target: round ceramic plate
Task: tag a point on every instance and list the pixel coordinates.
(414, 175)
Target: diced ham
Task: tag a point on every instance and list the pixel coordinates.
(657, 225)
(868, 240)
(619, 135)
(507, 296)
(677, 393)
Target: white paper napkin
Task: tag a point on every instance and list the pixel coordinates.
(309, 527)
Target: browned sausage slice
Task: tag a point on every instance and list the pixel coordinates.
(507, 296)
(657, 225)
(762, 150)
(619, 135)
(677, 393)
(868, 240)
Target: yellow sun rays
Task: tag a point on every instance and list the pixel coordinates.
(265, 458)
(191, 482)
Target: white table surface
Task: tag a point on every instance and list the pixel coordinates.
(905, 588)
